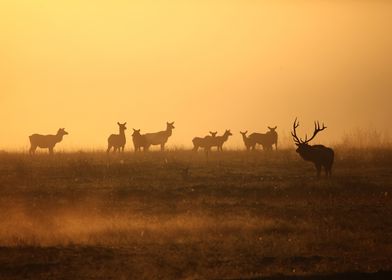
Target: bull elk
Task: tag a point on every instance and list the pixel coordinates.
(117, 141)
(46, 141)
(320, 155)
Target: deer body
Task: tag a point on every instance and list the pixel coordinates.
(139, 141)
(159, 138)
(319, 155)
(46, 141)
(260, 138)
(247, 141)
(272, 137)
(218, 141)
(203, 142)
(117, 141)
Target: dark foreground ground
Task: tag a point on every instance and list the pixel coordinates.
(174, 215)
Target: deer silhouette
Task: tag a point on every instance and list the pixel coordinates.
(320, 155)
(46, 141)
(139, 141)
(220, 140)
(247, 141)
(159, 138)
(205, 142)
(117, 141)
(272, 137)
(260, 138)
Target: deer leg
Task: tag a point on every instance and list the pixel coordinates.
(109, 147)
(318, 167)
(51, 150)
(328, 171)
(32, 150)
(162, 147)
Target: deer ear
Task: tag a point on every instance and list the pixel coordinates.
(125, 123)
(118, 123)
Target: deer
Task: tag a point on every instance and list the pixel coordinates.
(272, 137)
(204, 142)
(159, 138)
(320, 155)
(46, 141)
(262, 139)
(117, 141)
(247, 141)
(220, 140)
(139, 141)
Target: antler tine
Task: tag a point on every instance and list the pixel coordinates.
(317, 129)
(294, 133)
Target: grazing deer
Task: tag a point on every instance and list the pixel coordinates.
(117, 141)
(204, 142)
(220, 140)
(46, 141)
(159, 138)
(320, 155)
(139, 141)
(272, 136)
(247, 141)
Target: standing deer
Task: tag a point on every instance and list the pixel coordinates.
(46, 141)
(159, 138)
(204, 142)
(320, 155)
(261, 138)
(247, 141)
(220, 140)
(272, 137)
(117, 141)
(139, 141)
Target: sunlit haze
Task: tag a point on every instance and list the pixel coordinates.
(207, 65)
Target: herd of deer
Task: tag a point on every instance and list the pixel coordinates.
(320, 155)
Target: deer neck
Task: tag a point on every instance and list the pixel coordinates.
(169, 131)
(122, 133)
(59, 137)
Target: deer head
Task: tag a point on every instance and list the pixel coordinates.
(213, 134)
(272, 129)
(303, 145)
(136, 132)
(227, 132)
(244, 133)
(62, 132)
(122, 126)
(169, 125)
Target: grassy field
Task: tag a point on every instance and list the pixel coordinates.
(175, 215)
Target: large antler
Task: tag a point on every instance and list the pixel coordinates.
(317, 129)
(294, 133)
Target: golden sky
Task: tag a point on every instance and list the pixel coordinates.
(207, 65)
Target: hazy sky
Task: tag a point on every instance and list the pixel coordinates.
(207, 65)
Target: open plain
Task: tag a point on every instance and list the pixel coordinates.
(177, 215)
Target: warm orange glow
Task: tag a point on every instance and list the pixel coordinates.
(207, 65)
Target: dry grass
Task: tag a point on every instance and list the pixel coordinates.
(237, 215)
